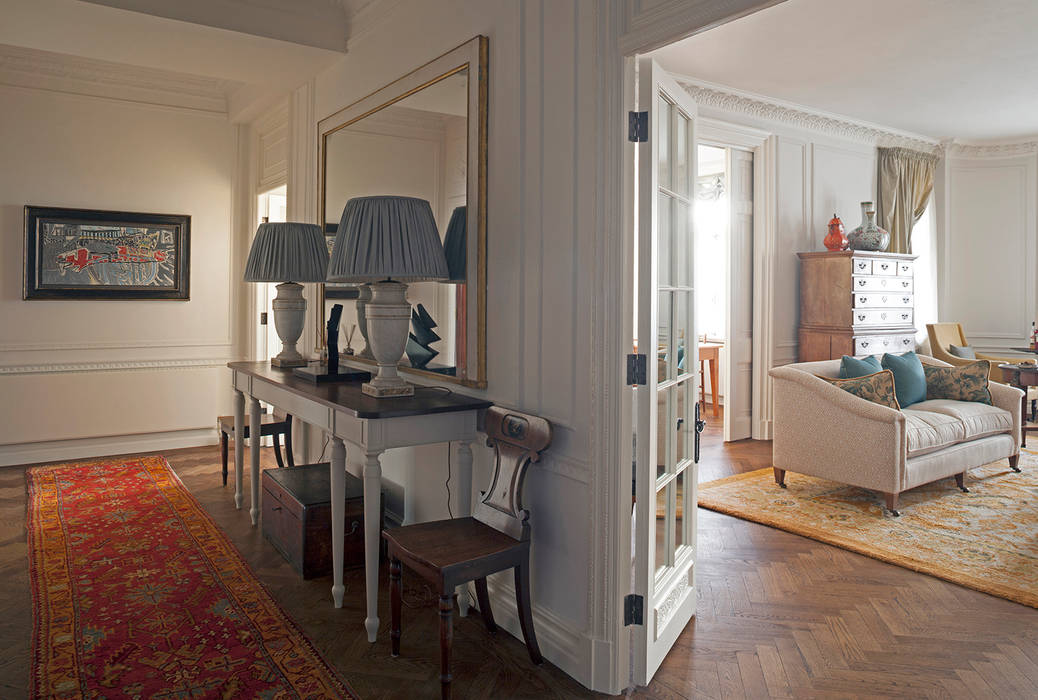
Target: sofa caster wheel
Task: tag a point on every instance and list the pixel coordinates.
(782, 486)
(960, 481)
(964, 489)
(1014, 463)
(895, 513)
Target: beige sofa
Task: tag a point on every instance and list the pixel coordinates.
(824, 431)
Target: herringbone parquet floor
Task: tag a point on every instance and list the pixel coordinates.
(778, 616)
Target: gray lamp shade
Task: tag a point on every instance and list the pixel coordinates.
(287, 252)
(454, 245)
(387, 238)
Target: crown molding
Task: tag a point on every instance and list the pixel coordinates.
(801, 117)
(368, 18)
(56, 72)
(1002, 149)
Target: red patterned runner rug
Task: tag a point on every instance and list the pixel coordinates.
(138, 593)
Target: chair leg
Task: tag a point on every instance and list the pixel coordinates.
(289, 457)
(483, 597)
(522, 599)
(780, 476)
(1014, 463)
(892, 503)
(223, 456)
(277, 451)
(960, 482)
(394, 604)
(446, 639)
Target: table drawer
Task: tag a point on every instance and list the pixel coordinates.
(874, 283)
(877, 344)
(885, 300)
(883, 317)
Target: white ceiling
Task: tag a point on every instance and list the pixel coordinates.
(949, 69)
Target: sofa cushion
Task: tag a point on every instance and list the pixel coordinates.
(928, 431)
(858, 367)
(978, 419)
(878, 387)
(909, 380)
(963, 383)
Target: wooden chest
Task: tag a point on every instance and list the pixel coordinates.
(855, 302)
(297, 517)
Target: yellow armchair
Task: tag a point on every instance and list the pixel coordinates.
(944, 334)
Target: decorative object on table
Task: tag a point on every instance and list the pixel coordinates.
(328, 369)
(91, 606)
(349, 340)
(92, 254)
(1034, 337)
(928, 537)
(387, 241)
(289, 253)
(454, 245)
(835, 240)
(297, 517)
(867, 235)
(418, 342)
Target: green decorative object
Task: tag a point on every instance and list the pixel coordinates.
(963, 383)
(877, 387)
(909, 378)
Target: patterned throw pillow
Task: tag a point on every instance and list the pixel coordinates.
(964, 383)
(877, 388)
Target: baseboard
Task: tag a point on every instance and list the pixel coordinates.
(560, 643)
(53, 450)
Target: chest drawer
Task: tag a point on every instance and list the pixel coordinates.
(888, 300)
(884, 267)
(878, 344)
(883, 317)
(874, 283)
(905, 267)
(861, 266)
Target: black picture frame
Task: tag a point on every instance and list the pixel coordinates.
(106, 255)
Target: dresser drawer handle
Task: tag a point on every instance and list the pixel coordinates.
(905, 341)
(883, 266)
(864, 343)
(883, 283)
(883, 315)
(861, 283)
(904, 317)
(905, 284)
(884, 299)
(906, 299)
(862, 300)
(861, 317)
(861, 266)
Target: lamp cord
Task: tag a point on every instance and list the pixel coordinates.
(448, 482)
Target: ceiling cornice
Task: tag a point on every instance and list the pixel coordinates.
(801, 117)
(45, 70)
(1002, 149)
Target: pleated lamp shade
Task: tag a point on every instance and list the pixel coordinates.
(454, 245)
(287, 252)
(387, 237)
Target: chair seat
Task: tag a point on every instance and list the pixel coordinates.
(268, 424)
(443, 544)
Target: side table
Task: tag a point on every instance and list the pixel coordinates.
(1022, 376)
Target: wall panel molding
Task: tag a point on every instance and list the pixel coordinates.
(86, 448)
(114, 366)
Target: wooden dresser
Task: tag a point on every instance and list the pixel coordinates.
(855, 302)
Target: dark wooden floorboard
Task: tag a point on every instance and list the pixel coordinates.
(778, 615)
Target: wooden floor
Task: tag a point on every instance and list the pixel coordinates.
(778, 616)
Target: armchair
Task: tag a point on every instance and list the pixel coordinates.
(944, 334)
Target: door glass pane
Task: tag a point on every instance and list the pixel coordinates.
(663, 115)
(681, 240)
(679, 514)
(681, 423)
(664, 433)
(667, 362)
(681, 332)
(680, 178)
(663, 241)
(664, 504)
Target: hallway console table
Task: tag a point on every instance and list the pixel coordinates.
(370, 426)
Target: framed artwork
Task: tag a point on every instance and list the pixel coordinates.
(91, 254)
(336, 290)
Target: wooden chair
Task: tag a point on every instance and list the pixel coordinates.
(496, 538)
(269, 425)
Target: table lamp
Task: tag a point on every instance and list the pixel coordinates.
(288, 253)
(387, 241)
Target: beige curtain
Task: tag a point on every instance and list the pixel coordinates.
(905, 184)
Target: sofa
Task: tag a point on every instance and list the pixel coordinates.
(821, 430)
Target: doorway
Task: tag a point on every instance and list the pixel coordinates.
(271, 207)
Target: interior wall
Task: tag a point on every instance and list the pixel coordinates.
(78, 370)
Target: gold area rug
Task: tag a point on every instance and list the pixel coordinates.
(986, 539)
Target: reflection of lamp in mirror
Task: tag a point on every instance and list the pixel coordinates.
(387, 241)
(454, 245)
(288, 253)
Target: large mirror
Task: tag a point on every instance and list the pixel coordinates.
(421, 136)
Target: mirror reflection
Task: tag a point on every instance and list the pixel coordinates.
(414, 147)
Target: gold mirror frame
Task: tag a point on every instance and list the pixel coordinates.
(473, 54)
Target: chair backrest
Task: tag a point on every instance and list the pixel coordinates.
(517, 439)
(941, 336)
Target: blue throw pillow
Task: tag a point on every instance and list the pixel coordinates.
(909, 378)
(851, 367)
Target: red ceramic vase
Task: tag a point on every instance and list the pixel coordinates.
(835, 240)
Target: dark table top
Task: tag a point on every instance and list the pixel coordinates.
(1025, 350)
(348, 397)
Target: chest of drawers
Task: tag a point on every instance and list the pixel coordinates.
(855, 303)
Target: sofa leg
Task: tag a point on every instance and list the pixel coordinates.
(960, 482)
(780, 477)
(1014, 463)
(891, 499)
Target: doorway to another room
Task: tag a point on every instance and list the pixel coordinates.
(271, 207)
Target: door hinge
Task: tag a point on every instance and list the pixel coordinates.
(633, 605)
(638, 126)
(636, 372)
(263, 318)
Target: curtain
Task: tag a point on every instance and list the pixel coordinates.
(905, 183)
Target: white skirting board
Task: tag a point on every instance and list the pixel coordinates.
(85, 448)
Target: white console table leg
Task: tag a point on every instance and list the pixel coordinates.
(338, 495)
(372, 527)
(464, 510)
(255, 441)
(239, 445)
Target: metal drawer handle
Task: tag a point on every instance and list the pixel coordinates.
(883, 315)
(905, 284)
(861, 317)
(904, 317)
(883, 266)
(906, 299)
(861, 283)
(864, 343)
(905, 341)
(883, 298)
(862, 300)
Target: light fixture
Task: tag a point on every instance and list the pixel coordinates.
(387, 241)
